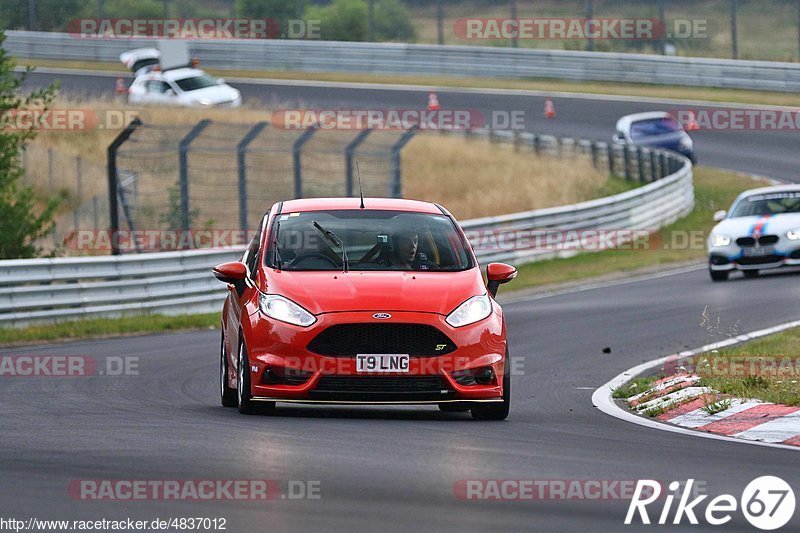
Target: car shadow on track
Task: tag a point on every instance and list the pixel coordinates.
(351, 412)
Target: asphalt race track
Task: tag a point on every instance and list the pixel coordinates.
(392, 469)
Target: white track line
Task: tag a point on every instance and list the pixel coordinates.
(602, 396)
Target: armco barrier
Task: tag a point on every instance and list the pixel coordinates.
(47, 290)
(431, 60)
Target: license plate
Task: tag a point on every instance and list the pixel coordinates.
(758, 251)
(377, 363)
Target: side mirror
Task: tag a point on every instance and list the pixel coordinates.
(497, 274)
(618, 138)
(220, 81)
(719, 215)
(169, 92)
(234, 272)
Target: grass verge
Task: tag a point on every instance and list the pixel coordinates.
(106, 327)
(765, 369)
(709, 94)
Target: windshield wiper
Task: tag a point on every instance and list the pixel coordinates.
(275, 244)
(331, 236)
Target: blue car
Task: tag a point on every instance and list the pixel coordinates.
(657, 129)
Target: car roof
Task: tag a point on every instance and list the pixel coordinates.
(627, 120)
(770, 189)
(372, 204)
(181, 73)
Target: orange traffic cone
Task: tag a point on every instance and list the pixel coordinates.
(549, 109)
(433, 102)
(691, 124)
(120, 87)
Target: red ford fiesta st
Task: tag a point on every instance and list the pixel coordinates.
(336, 301)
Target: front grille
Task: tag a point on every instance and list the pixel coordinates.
(764, 240)
(419, 340)
(759, 260)
(381, 388)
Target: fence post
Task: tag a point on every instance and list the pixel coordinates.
(297, 152)
(627, 155)
(653, 166)
(113, 208)
(78, 190)
(611, 157)
(640, 163)
(348, 159)
(664, 166)
(593, 150)
(396, 190)
(241, 154)
(50, 168)
(184, 170)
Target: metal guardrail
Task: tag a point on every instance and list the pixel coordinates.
(47, 290)
(432, 60)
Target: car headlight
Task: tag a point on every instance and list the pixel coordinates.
(475, 309)
(793, 235)
(204, 101)
(285, 310)
(717, 239)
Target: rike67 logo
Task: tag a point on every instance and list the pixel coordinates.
(767, 502)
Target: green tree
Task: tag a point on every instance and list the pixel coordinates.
(22, 222)
(348, 20)
(342, 20)
(50, 15)
(393, 22)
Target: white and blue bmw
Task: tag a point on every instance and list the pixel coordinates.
(761, 231)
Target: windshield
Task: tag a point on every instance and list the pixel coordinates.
(197, 82)
(767, 204)
(654, 127)
(373, 240)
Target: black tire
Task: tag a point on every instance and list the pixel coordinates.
(718, 275)
(454, 407)
(496, 410)
(750, 273)
(227, 394)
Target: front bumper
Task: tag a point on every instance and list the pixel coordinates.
(732, 257)
(276, 348)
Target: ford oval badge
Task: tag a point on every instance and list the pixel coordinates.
(382, 316)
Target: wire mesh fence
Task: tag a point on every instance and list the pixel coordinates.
(222, 176)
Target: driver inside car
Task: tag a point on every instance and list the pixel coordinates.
(405, 253)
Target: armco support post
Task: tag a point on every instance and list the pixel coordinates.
(113, 178)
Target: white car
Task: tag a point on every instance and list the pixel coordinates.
(184, 86)
(761, 231)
